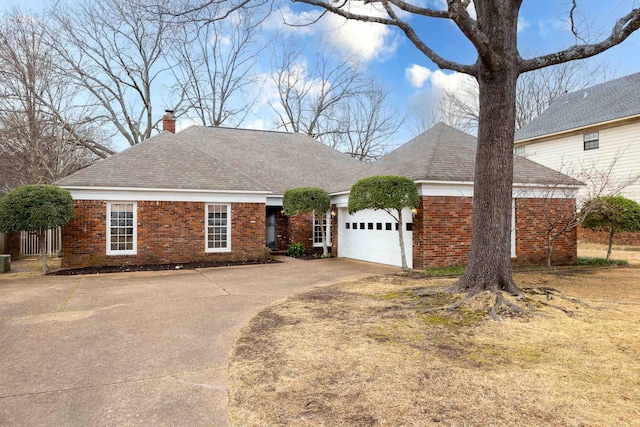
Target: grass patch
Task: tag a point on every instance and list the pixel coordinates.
(444, 272)
(601, 262)
(369, 356)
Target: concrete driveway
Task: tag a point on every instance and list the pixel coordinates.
(145, 348)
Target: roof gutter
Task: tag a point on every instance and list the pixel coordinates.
(169, 190)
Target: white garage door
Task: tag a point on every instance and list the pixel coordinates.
(372, 236)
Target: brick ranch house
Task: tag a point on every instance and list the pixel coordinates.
(216, 194)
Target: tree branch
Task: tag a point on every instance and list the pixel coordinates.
(393, 20)
(622, 29)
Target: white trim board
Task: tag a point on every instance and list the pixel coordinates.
(164, 195)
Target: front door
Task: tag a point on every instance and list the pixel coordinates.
(271, 229)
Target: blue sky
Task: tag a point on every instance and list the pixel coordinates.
(411, 78)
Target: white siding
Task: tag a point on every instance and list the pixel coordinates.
(567, 154)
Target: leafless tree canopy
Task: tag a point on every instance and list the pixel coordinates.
(115, 51)
(215, 67)
(599, 179)
(536, 90)
(331, 99)
(45, 134)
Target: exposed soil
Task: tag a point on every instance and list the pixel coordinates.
(155, 267)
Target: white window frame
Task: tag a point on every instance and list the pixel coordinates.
(520, 151)
(592, 139)
(328, 230)
(134, 250)
(227, 248)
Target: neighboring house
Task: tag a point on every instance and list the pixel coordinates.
(216, 194)
(590, 127)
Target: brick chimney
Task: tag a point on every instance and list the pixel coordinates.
(169, 122)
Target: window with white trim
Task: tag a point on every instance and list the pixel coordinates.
(218, 228)
(520, 151)
(121, 228)
(317, 231)
(591, 140)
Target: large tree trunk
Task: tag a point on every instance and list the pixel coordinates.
(489, 266)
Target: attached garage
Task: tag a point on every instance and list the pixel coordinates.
(371, 235)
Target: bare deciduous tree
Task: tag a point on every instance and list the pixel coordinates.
(214, 67)
(599, 180)
(362, 127)
(309, 93)
(115, 51)
(493, 33)
(333, 100)
(44, 131)
(535, 91)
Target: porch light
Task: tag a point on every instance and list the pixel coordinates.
(333, 213)
(414, 212)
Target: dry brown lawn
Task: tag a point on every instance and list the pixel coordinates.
(596, 250)
(362, 354)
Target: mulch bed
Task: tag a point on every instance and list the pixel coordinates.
(155, 267)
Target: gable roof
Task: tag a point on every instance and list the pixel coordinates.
(615, 99)
(446, 154)
(206, 158)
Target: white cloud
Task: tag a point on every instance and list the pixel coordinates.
(427, 99)
(546, 27)
(471, 9)
(364, 39)
(257, 124)
(285, 20)
(417, 75)
(523, 24)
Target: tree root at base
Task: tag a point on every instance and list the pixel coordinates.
(493, 309)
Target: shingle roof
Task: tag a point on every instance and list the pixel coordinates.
(278, 160)
(612, 100)
(205, 158)
(163, 161)
(223, 159)
(446, 154)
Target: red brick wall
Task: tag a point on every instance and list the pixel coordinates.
(442, 232)
(620, 238)
(282, 231)
(334, 231)
(168, 232)
(300, 229)
(531, 240)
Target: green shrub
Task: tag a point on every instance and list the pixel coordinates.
(457, 270)
(601, 261)
(295, 250)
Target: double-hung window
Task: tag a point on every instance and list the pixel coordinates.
(591, 141)
(121, 228)
(317, 231)
(218, 228)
